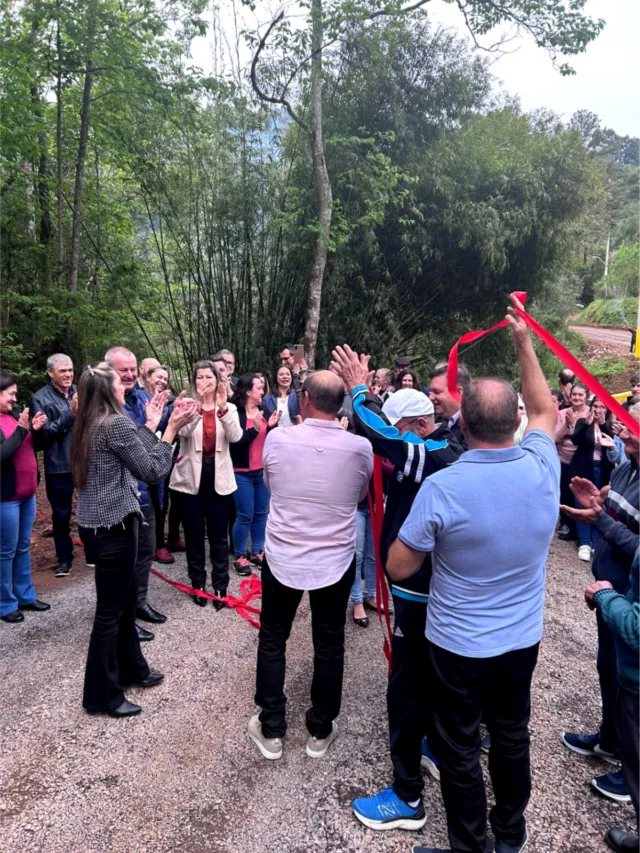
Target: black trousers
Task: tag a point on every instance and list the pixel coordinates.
(60, 496)
(146, 552)
(207, 511)
(462, 688)
(170, 506)
(114, 660)
(628, 727)
(566, 495)
(608, 677)
(328, 616)
(407, 697)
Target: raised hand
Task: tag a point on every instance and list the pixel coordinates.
(519, 328)
(274, 419)
(352, 368)
(23, 420)
(257, 421)
(185, 414)
(38, 421)
(617, 428)
(303, 366)
(590, 417)
(606, 441)
(74, 404)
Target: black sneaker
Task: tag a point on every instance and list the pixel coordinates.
(63, 569)
(621, 841)
(503, 847)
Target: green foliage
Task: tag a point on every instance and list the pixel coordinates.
(608, 365)
(610, 312)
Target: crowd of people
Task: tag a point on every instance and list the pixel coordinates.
(248, 464)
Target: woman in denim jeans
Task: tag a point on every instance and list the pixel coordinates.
(19, 481)
(252, 496)
(365, 560)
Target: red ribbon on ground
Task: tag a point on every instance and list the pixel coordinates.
(558, 350)
(250, 590)
(376, 510)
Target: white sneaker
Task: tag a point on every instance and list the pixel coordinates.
(317, 747)
(270, 747)
(584, 553)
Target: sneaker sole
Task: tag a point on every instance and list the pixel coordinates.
(412, 824)
(606, 756)
(431, 766)
(586, 752)
(272, 756)
(617, 798)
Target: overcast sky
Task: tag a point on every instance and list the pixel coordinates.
(606, 79)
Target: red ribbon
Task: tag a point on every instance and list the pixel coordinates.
(558, 350)
(250, 590)
(376, 510)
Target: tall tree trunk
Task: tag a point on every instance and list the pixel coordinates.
(59, 199)
(42, 183)
(82, 152)
(323, 188)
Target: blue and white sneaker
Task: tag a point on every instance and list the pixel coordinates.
(613, 786)
(387, 811)
(429, 761)
(503, 847)
(591, 747)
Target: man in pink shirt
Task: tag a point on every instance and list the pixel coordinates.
(317, 474)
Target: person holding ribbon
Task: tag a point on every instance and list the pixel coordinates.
(486, 598)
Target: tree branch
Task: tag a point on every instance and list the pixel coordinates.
(271, 99)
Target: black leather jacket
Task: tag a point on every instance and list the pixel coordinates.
(55, 436)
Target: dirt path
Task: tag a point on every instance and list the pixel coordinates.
(618, 339)
(183, 776)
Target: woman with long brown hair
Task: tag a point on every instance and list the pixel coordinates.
(109, 455)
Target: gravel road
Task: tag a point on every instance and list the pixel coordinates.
(184, 778)
(620, 339)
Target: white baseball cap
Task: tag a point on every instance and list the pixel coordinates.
(407, 403)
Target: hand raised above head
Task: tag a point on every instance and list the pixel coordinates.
(352, 368)
(519, 328)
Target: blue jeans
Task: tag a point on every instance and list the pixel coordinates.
(365, 559)
(252, 504)
(16, 586)
(587, 533)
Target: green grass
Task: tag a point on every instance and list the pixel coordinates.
(608, 365)
(610, 312)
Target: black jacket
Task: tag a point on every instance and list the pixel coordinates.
(8, 447)
(582, 463)
(55, 436)
(239, 450)
(414, 460)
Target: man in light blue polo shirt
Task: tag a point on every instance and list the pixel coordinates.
(488, 520)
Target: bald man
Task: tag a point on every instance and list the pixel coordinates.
(145, 366)
(487, 522)
(317, 473)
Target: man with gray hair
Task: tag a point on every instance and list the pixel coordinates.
(58, 402)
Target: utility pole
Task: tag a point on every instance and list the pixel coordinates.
(606, 266)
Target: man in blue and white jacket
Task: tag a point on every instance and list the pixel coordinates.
(403, 431)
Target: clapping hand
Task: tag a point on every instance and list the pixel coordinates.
(606, 441)
(154, 409)
(184, 413)
(617, 428)
(222, 395)
(257, 421)
(585, 490)
(74, 404)
(352, 368)
(274, 419)
(590, 417)
(23, 420)
(38, 421)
